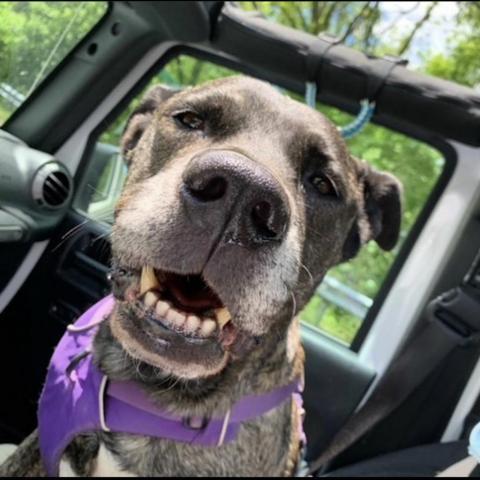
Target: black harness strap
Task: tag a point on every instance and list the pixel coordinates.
(379, 71)
(316, 55)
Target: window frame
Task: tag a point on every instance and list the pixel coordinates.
(428, 138)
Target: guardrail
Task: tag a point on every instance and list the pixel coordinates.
(336, 292)
(10, 95)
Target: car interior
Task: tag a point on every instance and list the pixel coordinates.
(55, 220)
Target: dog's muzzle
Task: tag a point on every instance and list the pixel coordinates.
(224, 187)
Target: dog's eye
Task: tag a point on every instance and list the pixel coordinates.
(190, 120)
(324, 185)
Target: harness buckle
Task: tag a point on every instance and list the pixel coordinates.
(195, 423)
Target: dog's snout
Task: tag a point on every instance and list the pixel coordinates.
(228, 187)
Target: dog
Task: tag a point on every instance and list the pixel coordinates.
(237, 202)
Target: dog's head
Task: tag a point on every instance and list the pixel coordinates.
(237, 202)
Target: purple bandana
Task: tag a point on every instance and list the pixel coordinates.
(78, 398)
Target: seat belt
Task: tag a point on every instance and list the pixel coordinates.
(476, 471)
(467, 467)
(453, 320)
(471, 419)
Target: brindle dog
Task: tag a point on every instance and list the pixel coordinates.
(238, 200)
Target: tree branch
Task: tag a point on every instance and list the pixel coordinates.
(291, 21)
(408, 40)
(180, 74)
(397, 18)
(354, 22)
(315, 16)
(372, 20)
(298, 9)
(324, 22)
(196, 71)
(411, 9)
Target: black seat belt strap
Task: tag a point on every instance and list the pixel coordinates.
(453, 319)
(471, 419)
(476, 471)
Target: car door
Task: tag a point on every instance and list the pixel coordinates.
(360, 315)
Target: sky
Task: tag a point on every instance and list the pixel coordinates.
(434, 34)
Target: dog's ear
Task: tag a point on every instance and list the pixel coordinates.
(140, 117)
(381, 217)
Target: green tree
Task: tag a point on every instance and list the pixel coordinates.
(462, 63)
(36, 36)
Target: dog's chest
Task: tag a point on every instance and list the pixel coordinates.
(105, 465)
(261, 448)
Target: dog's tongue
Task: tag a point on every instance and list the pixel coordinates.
(192, 292)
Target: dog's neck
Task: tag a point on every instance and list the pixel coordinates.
(274, 362)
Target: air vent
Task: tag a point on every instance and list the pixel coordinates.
(52, 186)
(56, 189)
(99, 249)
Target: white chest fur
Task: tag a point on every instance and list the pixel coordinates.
(105, 466)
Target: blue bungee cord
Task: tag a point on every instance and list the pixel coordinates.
(359, 122)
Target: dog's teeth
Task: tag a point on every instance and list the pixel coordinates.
(192, 323)
(150, 299)
(175, 318)
(207, 327)
(223, 316)
(161, 309)
(148, 280)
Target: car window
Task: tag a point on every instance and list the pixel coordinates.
(347, 293)
(34, 38)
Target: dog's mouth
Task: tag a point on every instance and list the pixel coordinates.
(186, 305)
(176, 322)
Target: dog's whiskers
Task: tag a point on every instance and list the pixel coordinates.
(77, 229)
(137, 365)
(171, 387)
(308, 272)
(66, 236)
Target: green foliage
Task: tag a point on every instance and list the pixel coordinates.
(331, 319)
(36, 36)
(462, 63)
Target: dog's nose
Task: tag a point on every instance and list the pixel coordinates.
(226, 186)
